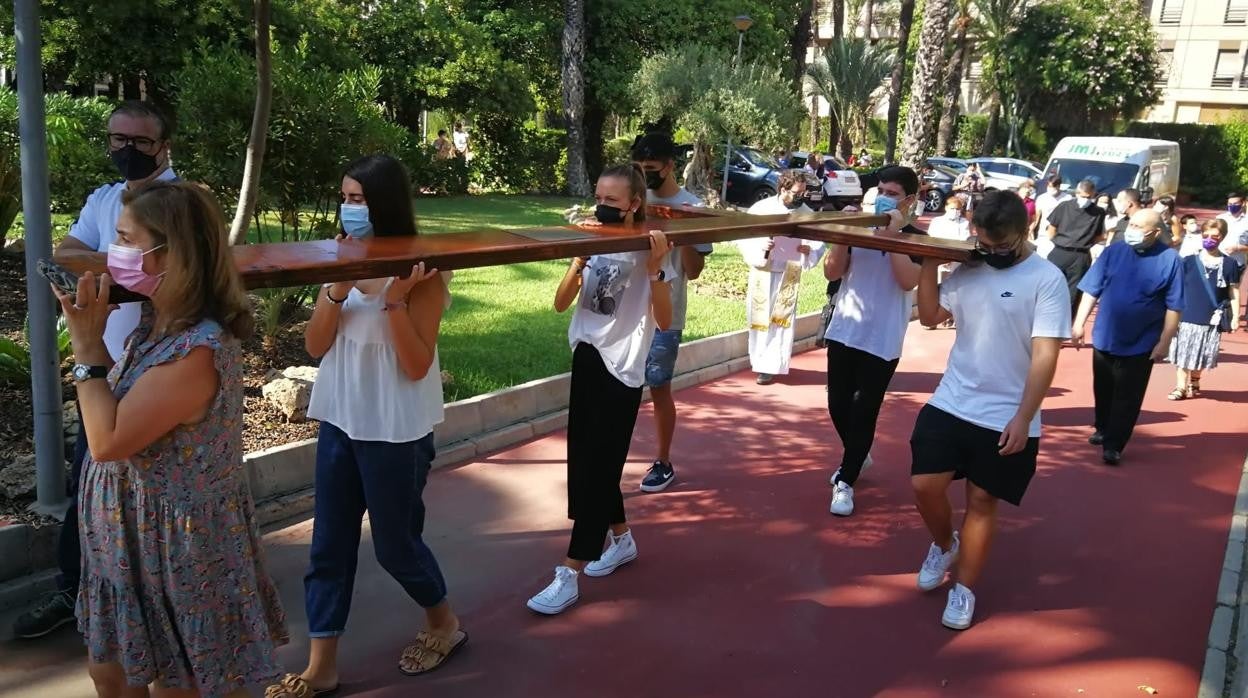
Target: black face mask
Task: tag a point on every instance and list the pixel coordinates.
(997, 261)
(795, 202)
(133, 164)
(654, 179)
(609, 214)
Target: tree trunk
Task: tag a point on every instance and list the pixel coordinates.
(925, 87)
(814, 120)
(131, 88)
(994, 124)
(905, 21)
(868, 20)
(250, 188)
(595, 119)
(846, 146)
(834, 130)
(803, 39)
(573, 71)
(838, 19)
(953, 91)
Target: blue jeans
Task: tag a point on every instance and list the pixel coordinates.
(387, 480)
(661, 361)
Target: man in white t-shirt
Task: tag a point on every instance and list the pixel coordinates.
(138, 144)
(867, 330)
(656, 154)
(460, 137)
(1236, 242)
(1045, 203)
(983, 422)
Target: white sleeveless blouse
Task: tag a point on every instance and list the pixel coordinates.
(360, 387)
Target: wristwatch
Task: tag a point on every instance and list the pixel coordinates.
(83, 372)
(662, 275)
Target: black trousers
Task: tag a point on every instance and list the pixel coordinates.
(1118, 384)
(602, 412)
(857, 381)
(69, 545)
(1074, 264)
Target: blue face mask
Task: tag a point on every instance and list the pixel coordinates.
(884, 204)
(355, 222)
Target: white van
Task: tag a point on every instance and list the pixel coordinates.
(1114, 164)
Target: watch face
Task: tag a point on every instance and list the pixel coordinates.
(80, 372)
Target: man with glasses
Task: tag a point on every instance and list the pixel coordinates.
(1139, 285)
(138, 144)
(983, 421)
(776, 266)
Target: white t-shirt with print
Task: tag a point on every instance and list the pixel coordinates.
(613, 314)
(999, 312)
(673, 269)
(872, 311)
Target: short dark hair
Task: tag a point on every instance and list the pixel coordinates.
(790, 177)
(1132, 195)
(441, 132)
(459, 124)
(141, 109)
(1187, 217)
(1235, 195)
(1054, 180)
(1001, 216)
(654, 146)
(900, 174)
(388, 191)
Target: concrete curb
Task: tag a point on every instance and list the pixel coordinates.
(281, 477)
(1225, 674)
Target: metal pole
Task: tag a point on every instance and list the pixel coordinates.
(723, 189)
(44, 361)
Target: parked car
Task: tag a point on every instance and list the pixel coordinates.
(958, 165)
(939, 183)
(1007, 173)
(841, 184)
(752, 174)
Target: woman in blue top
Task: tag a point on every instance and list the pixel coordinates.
(1211, 291)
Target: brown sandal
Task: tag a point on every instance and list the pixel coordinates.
(430, 652)
(295, 686)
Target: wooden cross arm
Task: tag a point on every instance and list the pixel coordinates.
(903, 243)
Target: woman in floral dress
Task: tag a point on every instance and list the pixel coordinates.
(174, 598)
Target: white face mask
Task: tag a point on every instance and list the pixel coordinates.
(1082, 201)
(954, 213)
(1133, 236)
(1191, 227)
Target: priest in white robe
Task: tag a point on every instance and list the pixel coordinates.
(776, 265)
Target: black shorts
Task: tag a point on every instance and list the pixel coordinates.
(943, 443)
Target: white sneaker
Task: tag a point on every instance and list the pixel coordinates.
(560, 594)
(960, 608)
(936, 567)
(865, 464)
(842, 500)
(622, 550)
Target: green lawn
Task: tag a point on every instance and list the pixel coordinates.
(501, 329)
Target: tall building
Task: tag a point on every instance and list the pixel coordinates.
(1204, 52)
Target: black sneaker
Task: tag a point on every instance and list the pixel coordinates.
(1096, 439)
(55, 610)
(1111, 456)
(660, 476)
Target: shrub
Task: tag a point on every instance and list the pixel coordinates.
(519, 158)
(1214, 157)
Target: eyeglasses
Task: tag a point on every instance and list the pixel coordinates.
(993, 249)
(117, 141)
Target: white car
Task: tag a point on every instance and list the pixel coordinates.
(841, 186)
(1007, 173)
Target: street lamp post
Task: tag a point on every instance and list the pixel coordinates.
(742, 23)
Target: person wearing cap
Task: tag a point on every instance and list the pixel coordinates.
(656, 154)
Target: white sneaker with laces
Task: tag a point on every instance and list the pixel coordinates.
(842, 500)
(936, 566)
(621, 551)
(959, 609)
(557, 596)
(865, 464)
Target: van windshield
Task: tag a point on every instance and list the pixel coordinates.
(1109, 177)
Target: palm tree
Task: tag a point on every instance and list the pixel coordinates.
(953, 80)
(573, 71)
(925, 87)
(904, 23)
(995, 20)
(849, 76)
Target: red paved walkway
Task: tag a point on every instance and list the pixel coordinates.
(1104, 580)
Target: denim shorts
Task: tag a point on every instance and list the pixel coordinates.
(661, 362)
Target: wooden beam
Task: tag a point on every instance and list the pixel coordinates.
(904, 243)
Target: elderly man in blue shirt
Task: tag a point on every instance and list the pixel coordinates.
(1139, 285)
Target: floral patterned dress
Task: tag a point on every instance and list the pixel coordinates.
(174, 586)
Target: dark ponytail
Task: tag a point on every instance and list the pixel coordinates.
(636, 178)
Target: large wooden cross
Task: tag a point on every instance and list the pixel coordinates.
(271, 265)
